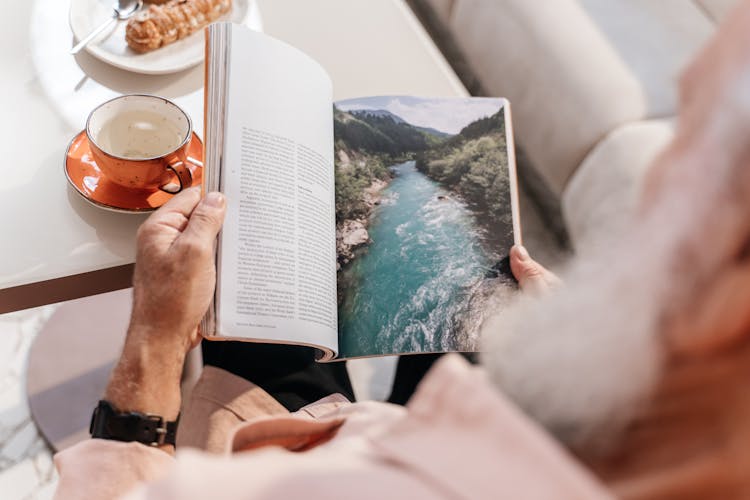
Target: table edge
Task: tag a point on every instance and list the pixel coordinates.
(65, 288)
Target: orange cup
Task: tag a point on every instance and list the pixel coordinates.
(141, 142)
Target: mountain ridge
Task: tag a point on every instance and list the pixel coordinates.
(384, 113)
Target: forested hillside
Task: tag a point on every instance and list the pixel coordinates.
(472, 163)
(367, 141)
(381, 133)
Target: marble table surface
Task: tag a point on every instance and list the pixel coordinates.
(26, 468)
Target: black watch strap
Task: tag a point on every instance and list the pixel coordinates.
(109, 423)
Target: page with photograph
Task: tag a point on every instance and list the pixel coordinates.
(426, 213)
(270, 149)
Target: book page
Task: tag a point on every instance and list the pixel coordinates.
(426, 216)
(276, 278)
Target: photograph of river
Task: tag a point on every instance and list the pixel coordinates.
(424, 221)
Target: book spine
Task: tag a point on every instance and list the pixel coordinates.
(216, 86)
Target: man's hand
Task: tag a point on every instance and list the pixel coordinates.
(532, 276)
(175, 271)
(174, 281)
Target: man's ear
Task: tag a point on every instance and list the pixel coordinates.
(718, 319)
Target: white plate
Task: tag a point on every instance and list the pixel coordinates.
(110, 47)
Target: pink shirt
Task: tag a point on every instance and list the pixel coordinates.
(457, 438)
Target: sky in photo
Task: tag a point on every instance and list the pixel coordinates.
(445, 115)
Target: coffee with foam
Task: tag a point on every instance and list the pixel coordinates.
(139, 134)
(138, 127)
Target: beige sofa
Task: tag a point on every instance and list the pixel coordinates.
(592, 85)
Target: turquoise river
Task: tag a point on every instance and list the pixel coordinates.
(410, 290)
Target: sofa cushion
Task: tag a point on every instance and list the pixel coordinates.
(442, 9)
(575, 70)
(602, 194)
(655, 40)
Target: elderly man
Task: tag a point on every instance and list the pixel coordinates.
(330, 448)
(649, 310)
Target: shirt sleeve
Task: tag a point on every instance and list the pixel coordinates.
(104, 469)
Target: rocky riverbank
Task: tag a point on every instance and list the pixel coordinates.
(352, 234)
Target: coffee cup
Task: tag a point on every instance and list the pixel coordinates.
(141, 142)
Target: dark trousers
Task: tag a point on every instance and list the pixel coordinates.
(291, 375)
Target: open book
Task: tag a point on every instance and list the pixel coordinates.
(364, 227)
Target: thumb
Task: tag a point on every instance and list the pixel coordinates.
(207, 218)
(531, 275)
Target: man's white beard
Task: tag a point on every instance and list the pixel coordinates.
(583, 359)
(580, 360)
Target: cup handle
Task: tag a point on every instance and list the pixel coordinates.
(178, 165)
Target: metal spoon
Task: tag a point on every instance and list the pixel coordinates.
(124, 9)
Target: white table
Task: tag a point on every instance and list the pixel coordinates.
(55, 246)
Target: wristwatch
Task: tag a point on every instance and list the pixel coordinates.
(109, 423)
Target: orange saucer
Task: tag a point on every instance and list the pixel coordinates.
(84, 175)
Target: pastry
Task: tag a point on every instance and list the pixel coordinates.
(160, 25)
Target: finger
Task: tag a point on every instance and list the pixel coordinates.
(182, 203)
(175, 213)
(720, 319)
(206, 219)
(166, 224)
(531, 275)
